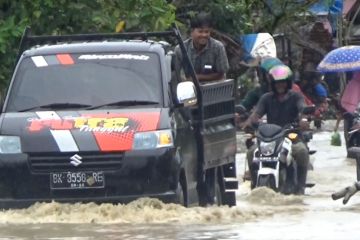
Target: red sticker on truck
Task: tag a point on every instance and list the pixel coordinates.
(112, 132)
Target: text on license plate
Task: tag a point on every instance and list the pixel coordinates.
(76, 180)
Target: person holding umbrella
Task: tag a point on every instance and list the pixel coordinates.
(344, 60)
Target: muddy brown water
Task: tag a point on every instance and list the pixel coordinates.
(259, 214)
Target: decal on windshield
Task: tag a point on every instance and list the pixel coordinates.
(103, 125)
(65, 59)
(44, 61)
(39, 61)
(114, 56)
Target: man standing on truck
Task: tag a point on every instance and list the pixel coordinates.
(207, 54)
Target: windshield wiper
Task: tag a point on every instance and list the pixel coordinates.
(58, 106)
(124, 103)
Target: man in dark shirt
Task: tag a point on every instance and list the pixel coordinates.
(280, 110)
(283, 106)
(207, 54)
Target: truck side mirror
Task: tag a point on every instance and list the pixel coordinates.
(186, 93)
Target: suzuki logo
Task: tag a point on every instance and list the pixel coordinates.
(76, 160)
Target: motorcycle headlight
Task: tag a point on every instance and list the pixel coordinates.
(267, 148)
(153, 139)
(10, 144)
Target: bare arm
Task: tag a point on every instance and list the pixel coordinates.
(258, 113)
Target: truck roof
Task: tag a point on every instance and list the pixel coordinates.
(103, 46)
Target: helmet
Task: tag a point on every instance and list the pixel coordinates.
(265, 65)
(280, 73)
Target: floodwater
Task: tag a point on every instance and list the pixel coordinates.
(259, 214)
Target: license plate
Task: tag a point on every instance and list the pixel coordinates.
(77, 180)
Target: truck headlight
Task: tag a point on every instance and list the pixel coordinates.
(10, 144)
(267, 148)
(153, 139)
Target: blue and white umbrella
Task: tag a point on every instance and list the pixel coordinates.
(343, 59)
(258, 45)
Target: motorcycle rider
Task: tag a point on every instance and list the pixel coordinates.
(282, 106)
(252, 97)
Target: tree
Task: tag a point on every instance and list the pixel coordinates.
(48, 17)
(232, 18)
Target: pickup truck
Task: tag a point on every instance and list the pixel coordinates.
(107, 118)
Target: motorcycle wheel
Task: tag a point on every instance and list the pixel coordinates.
(267, 181)
(283, 181)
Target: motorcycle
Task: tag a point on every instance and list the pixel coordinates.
(273, 165)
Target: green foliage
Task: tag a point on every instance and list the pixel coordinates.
(44, 17)
(231, 16)
(284, 13)
(49, 17)
(236, 17)
(149, 15)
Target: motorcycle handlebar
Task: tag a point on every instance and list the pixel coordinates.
(339, 194)
(346, 193)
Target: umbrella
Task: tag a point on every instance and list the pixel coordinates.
(257, 45)
(342, 59)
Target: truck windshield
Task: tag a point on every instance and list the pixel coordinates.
(86, 79)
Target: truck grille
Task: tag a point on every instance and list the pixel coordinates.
(61, 162)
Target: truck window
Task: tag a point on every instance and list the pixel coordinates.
(87, 78)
